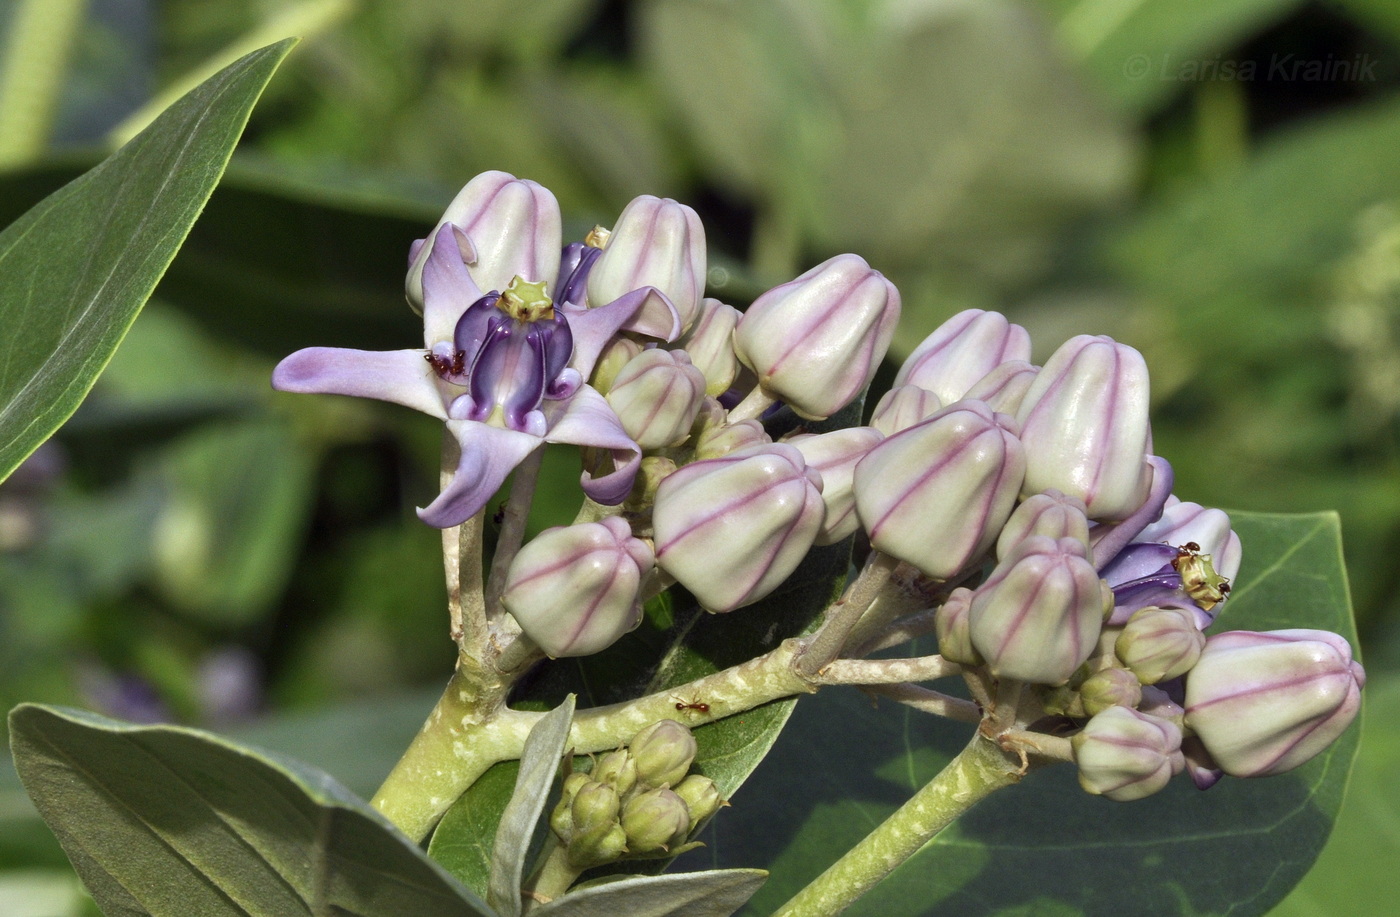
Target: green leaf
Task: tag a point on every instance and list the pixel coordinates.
(539, 763)
(464, 839)
(78, 267)
(716, 893)
(169, 822)
(1044, 846)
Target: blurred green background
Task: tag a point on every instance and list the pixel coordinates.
(1216, 182)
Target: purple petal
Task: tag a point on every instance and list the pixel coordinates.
(574, 266)
(401, 376)
(644, 310)
(448, 288)
(509, 372)
(586, 419)
(489, 455)
(1139, 560)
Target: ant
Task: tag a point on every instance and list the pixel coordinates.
(1190, 549)
(444, 366)
(683, 704)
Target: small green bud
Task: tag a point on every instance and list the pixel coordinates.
(951, 625)
(561, 820)
(1109, 688)
(617, 770)
(663, 753)
(1160, 643)
(655, 821)
(596, 836)
(587, 851)
(701, 797)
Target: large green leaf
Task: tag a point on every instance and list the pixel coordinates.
(169, 822)
(715, 893)
(1045, 846)
(78, 267)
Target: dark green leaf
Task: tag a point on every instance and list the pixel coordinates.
(169, 822)
(717, 893)
(465, 837)
(78, 267)
(1044, 846)
(539, 763)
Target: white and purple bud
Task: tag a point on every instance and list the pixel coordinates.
(903, 407)
(663, 753)
(617, 354)
(936, 495)
(1126, 755)
(655, 821)
(721, 438)
(656, 242)
(1158, 644)
(834, 456)
(815, 342)
(512, 228)
(1111, 687)
(573, 589)
(952, 629)
(1084, 424)
(1004, 388)
(1264, 703)
(656, 396)
(710, 343)
(731, 529)
(1037, 617)
(1051, 513)
(962, 351)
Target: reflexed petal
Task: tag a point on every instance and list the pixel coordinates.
(400, 376)
(644, 310)
(448, 289)
(587, 420)
(489, 455)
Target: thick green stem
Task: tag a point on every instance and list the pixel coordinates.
(977, 771)
(35, 59)
(842, 617)
(553, 877)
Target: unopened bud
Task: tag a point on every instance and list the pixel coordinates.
(655, 821)
(815, 342)
(951, 624)
(1111, 687)
(1050, 513)
(935, 495)
(617, 770)
(961, 351)
(596, 835)
(573, 589)
(718, 440)
(655, 243)
(656, 396)
(1264, 703)
(835, 455)
(616, 355)
(1160, 643)
(663, 752)
(710, 343)
(731, 529)
(653, 470)
(701, 797)
(1037, 617)
(1084, 425)
(561, 819)
(902, 407)
(1126, 755)
(1004, 388)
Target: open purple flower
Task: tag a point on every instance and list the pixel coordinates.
(503, 369)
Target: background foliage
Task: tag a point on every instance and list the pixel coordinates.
(192, 548)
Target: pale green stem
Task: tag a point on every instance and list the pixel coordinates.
(841, 618)
(35, 61)
(553, 877)
(517, 514)
(884, 671)
(461, 563)
(920, 624)
(753, 406)
(978, 770)
(926, 700)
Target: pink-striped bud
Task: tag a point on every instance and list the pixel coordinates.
(656, 396)
(710, 343)
(1004, 388)
(731, 529)
(815, 342)
(1085, 428)
(655, 243)
(936, 495)
(962, 351)
(835, 455)
(903, 407)
(1037, 617)
(1050, 513)
(573, 589)
(1126, 755)
(1264, 703)
(1158, 644)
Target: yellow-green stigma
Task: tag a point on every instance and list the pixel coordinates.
(525, 301)
(597, 237)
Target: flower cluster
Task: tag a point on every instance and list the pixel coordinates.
(1022, 502)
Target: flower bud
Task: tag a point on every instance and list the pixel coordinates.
(834, 455)
(616, 355)
(1085, 429)
(1126, 755)
(663, 752)
(815, 342)
(617, 770)
(951, 626)
(1208, 529)
(655, 243)
(721, 439)
(731, 529)
(935, 495)
(513, 227)
(1037, 617)
(1004, 388)
(573, 589)
(1264, 703)
(653, 470)
(1158, 644)
(903, 407)
(656, 396)
(710, 343)
(1112, 687)
(561, 820)
(701, 797)
(961, 351)
(656, 820)
(596, 836)
(1050, 513)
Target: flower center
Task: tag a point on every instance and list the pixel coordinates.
(525, 301)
